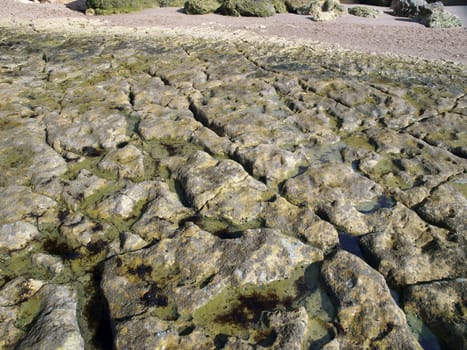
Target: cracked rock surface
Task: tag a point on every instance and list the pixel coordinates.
(182, 193)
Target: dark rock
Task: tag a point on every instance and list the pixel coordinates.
(376, 2)
(407, 8)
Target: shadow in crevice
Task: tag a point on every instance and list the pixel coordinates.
(97, 314)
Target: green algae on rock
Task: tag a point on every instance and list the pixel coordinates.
(362, 11)
(106, 7)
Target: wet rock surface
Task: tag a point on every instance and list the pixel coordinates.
(188, 193)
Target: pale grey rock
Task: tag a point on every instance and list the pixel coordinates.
(447, 205)
(366, 312)
(169, 124)
(162, 215)
(407, 167)
(445, 130)
(154, 333)
(17, 235)
(221, 188)
(18, 290)
(248, 120)
(151, 94)
(79, 133)
(270, 163)
(83, 186)
(56, 326)
(126, 163)
(300, 222)
(79, 230)
(334, 190)
(26, 158)
(417, 253)
(66, 134)
(19, 203)
(13, 295)
(110, 130)
(291, 328)
(130, 242)
(53, 264)
(211, 142)
(124, 202)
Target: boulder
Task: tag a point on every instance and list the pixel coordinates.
(300, 7)
(321, 10)
(201, 7)
(435, 16)
(362, 11)
(106, 7)
(407, 8)
(326, 10)
(250, 8)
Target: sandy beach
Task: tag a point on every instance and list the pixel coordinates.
(385, 35)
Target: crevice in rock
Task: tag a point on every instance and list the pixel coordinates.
(97, 314)
(200, 116)
(351, 244)
(456, 102)
(457, 152)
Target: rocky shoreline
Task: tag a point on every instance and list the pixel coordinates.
(162, 190)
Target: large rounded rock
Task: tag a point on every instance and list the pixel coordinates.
(105, 7)
(362, 11)
(435, 16)
(201, 7)
(407, 8)
(251, 8)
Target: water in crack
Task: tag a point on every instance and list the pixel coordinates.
(351, 244)
(425, 336)
(379, 202)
